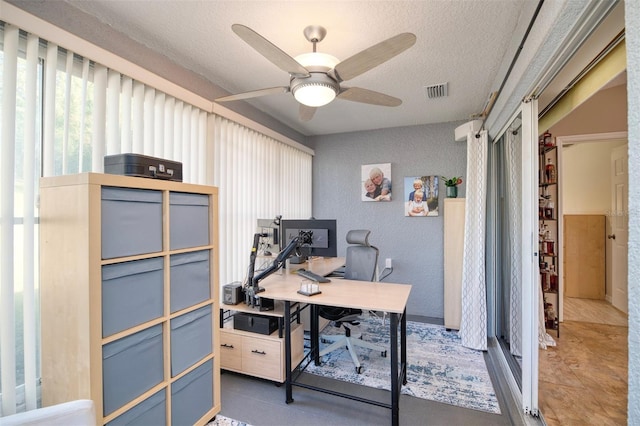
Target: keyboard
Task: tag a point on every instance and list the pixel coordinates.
(311, 276)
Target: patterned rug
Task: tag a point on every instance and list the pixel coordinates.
(221, 420)
(439, 368)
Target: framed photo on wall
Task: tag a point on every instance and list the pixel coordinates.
(376, 182)
(421, 196)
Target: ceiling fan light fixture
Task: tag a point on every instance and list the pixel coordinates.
(314, 94)
(314, 91)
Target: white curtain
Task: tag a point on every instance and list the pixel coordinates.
(473, 323)
(513, 178)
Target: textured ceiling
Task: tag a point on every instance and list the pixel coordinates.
(462, 43)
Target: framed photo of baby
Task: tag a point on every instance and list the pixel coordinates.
(375, 182)
(421, 196)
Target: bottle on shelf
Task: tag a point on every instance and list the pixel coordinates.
(548, 209)
(549, 140)
(544, 278)
(550, 172)
(553, 279)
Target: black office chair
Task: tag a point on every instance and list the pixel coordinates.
(361, 264)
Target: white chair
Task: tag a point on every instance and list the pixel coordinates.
(74, 413)
(361, 264)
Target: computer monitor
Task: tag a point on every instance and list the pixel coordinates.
(318, 236)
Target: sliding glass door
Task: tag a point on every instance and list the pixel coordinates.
(512, 248)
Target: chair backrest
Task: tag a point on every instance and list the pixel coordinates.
(362, 258)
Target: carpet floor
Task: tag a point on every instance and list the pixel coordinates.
(439, 368)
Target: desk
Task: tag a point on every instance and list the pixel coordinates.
(365, 295)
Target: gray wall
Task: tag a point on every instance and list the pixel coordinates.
(414, 243)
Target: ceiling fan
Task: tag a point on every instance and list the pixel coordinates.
(315, 77)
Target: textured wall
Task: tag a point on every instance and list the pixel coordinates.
(414, 243)
(632, 18)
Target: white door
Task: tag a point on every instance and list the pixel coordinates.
(619, 230)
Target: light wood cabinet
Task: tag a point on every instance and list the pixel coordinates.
(256, 354)
(129, 295)
(584, 256)
(454, 210)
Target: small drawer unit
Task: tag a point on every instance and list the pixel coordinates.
(258, 354)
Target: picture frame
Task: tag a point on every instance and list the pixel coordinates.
(375, 182)
(421, 196)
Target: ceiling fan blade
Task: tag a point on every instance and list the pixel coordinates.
(254, 94)
(306, 112)
(366, 96)
(373, 56)
(270, 51)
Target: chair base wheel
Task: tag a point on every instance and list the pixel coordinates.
(359, 370)
(383, 354)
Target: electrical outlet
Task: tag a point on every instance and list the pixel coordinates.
(387, 263)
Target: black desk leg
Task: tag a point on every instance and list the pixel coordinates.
(287, 351)
(315, 334)
(403, 346)
(395, 386)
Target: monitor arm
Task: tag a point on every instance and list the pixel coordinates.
(252, 288)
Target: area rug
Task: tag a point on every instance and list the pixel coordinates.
(439, 368)
(221, 420)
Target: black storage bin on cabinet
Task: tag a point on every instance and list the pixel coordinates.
(132, 293)
(192, 395)
(190, 279)
(131, 366)
(261, 324)
(131, 221)
(191, 339)
(189, 220)
(151, 411)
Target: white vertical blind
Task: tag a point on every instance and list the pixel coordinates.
(85, 110)
(258, 178)
(137, 121)
(99, 111)
(83, 113)
(112, 113)
(67, 111)
(29, 235)
(126, 143)
(158, 125)
(7, 162)
(51, 64)
(169, 111)
(149, 102)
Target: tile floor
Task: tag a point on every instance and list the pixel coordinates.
(583, 380)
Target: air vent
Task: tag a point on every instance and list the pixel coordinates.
(436, 90)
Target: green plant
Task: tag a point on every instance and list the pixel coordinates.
(454, 181)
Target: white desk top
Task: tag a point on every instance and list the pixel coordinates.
(363, 295)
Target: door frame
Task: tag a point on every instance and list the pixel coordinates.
(560, 142)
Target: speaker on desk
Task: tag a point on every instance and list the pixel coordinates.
(232, 293)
